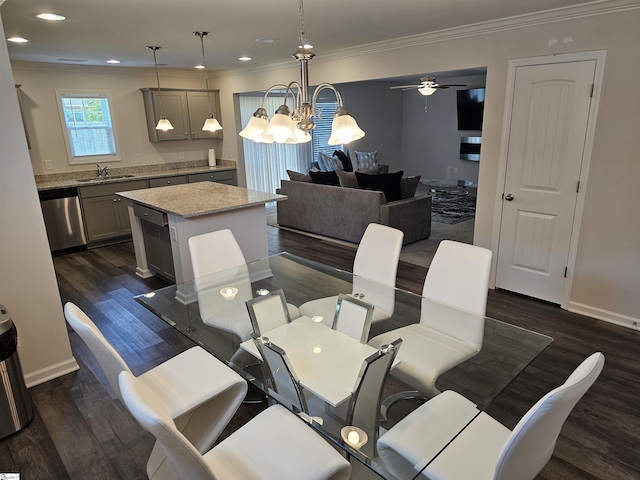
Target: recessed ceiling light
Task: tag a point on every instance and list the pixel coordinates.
(199, 67)
(306, 46)
(51, 16)
(113, 61)
(17, 40)
(266, 40)
(244, 58)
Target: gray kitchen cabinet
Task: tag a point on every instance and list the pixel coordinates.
(157, 241)
(106, 216)
(166, 181)
(185, 109)
(224, 176)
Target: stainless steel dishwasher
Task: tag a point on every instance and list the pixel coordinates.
(63, 219)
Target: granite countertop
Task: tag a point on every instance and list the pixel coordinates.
(198, 199)
(129, 174)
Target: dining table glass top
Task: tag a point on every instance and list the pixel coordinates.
(212, 312)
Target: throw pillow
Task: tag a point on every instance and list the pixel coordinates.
(366, 160)
(298, 177)
(330, 164)
(408, 186)
(325, 178)
(388, 183)
(347, 179)
(347, 166)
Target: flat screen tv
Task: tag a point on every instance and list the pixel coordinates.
(470, 109)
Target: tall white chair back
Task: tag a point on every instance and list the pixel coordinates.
(285, 386)
(364, 407)
(214, 252)
(532, 441)
(459, 276)
(378, 254)
(110, 361)
(353, 317)
(268, 312)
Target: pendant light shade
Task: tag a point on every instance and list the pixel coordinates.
(256, 126)
(163, 124)
(210, 124)
(281, 128)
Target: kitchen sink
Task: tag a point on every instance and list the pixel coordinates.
(103, 179)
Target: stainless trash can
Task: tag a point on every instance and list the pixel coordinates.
(16, 409)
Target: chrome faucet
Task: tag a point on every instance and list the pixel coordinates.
(103, 171)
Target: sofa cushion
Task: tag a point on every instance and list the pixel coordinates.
(329, 164)
(347, 166)
(299, 177)
(347, 179)
(388, 183)
(408, 186)
(325, 178)
(366, 160)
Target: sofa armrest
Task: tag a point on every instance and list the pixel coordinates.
(411, 215)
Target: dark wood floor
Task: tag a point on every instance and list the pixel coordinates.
(81, 432)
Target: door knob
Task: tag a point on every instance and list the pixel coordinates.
(508, 197)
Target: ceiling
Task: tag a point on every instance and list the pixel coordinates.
(96, 31)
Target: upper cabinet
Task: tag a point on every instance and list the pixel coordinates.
(185, 109)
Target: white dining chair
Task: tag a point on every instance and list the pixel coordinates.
(192, 384)
(218, 253)
(485, 449)
(375, 268)
(268, 312)
(353, 317)
(445, 337)
(275, 444)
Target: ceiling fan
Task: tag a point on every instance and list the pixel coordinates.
(427, 86)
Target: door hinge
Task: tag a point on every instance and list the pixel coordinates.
(565, 271)
(578, 187)
(592, 88)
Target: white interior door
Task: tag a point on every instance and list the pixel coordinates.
(546, 145)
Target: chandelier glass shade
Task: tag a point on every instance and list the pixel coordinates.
(163, 124)
(295, 127)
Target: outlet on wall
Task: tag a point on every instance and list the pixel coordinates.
(183, 155)
(228, 153)
(138, 158)
(48, 165)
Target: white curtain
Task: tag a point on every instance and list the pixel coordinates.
(267, 163)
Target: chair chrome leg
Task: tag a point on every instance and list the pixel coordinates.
(390, 400)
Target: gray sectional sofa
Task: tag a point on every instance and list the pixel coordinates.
(344, 213)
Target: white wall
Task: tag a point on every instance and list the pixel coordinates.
(28, 287)
(39, 81)
(608, 262)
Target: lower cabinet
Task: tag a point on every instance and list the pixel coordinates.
(106, 216)
(157, 242)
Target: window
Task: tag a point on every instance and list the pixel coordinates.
(89, 130)
(322, 132)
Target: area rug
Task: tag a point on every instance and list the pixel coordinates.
(452, 207)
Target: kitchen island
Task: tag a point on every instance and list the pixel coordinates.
(179, 212)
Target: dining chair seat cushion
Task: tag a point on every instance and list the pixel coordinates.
(416, 439)
(426, 354)
(326, 308)
(280, 445)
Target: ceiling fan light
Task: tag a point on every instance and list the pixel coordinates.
(426, 90)
(211, 125)
(344, 129)
(164, 124)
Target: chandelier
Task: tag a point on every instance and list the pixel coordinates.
(294, 127)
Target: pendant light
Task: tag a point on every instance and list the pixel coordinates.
(210, 124)
(295, 127)
(163, 123)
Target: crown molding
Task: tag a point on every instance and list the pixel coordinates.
(597, 7)
(104, 70)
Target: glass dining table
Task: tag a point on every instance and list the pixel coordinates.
(212, 312)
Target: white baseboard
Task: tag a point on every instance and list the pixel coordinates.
(605, 315)
(54, 371)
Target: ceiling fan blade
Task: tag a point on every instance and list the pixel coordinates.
(441, 86)
(405, 86)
